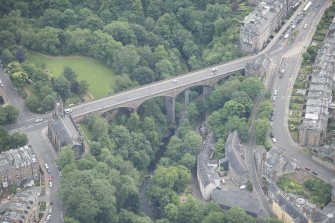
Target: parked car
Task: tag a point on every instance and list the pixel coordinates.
(307, 168)
(274, 140)
(175, 81)
(315, 173)
(275, 92)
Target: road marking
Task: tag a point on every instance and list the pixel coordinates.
(276, 51)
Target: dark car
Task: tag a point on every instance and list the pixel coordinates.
(314, 172)
(271, 134)
(49, 171)
(307, 168)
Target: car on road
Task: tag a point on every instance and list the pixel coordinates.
(307, 168)
(275, 92)
(274, 140)
(50, 184)
(305, 26)
(214, 69)
(315, 173)
(49, 171)
(281, 73)
(46, 166)
(175, 81)
(274, 98)
(271, 134)
(39, 120)
(67, 110)
(50, 211)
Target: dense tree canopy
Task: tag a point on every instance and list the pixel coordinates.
(153, 38)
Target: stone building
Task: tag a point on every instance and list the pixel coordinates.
(313, 129)
(259, 67)
(261, 23)
(215, 185)
(23, 208)
(273, 163)
(63, 131)
(18, 166)
(290, 208)
(326, 152)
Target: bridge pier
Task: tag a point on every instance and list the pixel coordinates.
(170, 108)
(206, 91)
(187, 96)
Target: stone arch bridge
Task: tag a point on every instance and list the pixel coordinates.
(169, 88)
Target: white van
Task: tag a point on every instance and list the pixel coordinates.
(274, 140)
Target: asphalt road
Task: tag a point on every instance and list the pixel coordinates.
(284, 87)
(44, 150)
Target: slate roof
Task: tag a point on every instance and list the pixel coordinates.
(206, 173)
(65, 130)
(233, 152)
(291, 210)
(241, 198)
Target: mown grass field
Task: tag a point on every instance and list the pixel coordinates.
(99, 77)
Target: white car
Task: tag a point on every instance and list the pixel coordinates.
(39, 120)
(274, 140)
(214, 69)
(50, 184)
(175, 81)
(273, 98)
(67, 110)
(305, 26)
(275, 92)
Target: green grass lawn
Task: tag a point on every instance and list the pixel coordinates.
(99, 77)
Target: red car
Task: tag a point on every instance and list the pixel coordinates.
(50, 179)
